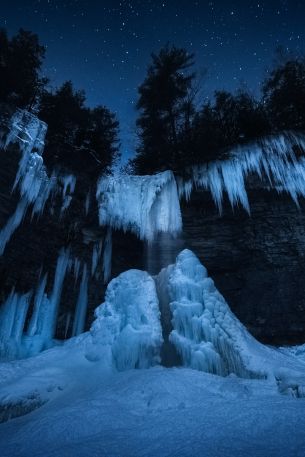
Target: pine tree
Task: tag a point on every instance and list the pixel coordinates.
(166, 108)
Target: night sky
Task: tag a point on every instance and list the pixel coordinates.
(104, 46)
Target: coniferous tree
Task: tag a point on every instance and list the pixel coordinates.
(21, 60)
(79, 138)
(284, 95)
(166, 108)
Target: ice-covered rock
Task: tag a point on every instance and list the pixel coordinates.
(275, 159)
(144, 205)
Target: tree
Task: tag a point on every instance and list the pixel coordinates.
(230, 120)
(284, 95)
(166, 108)
(78, 138)
(21, 60)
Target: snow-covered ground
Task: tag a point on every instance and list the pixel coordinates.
(159, 412)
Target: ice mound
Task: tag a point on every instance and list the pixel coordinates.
(275, 158)
(144, 205)
(209, 337)
(127, 329)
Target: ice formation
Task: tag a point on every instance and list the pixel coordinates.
(209, 337)
(68, 183)
(127, 331)
(26, 129)
(145, 205)
(275, 159)
(16, 340)
(32, 180)
(81, 305)
(107, 256)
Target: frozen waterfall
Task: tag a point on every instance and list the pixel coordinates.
(144, 205)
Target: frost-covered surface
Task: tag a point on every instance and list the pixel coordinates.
(209, 336)
(145, 205)
(273, 158)
(148, 413)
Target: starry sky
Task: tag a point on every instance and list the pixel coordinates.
(104, 46)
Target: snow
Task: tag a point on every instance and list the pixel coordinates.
(85, 397)
(156, 412)
(144, 205)
(273, 158)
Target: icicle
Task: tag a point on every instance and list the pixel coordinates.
(68, 183)
(96, 254)
(81, 305)
(87, 202)
(35, 325)
(13, 314)
(76, 268)
(20, 316)
(12, 224)
(271, 157)
(107, 256)
(68, 321)
(49, 319)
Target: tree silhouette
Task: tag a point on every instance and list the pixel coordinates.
(166, 108)
(21, 59)
(284, 95)
(78, 139)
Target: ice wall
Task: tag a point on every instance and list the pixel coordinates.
(144, 205)
(275, 160)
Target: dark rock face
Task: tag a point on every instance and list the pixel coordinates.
(256, 261)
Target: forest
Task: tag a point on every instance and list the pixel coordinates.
(174, 128)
